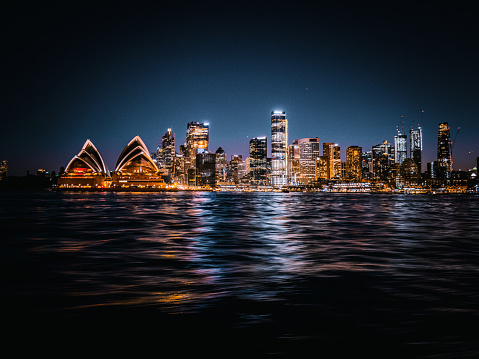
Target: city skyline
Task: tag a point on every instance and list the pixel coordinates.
(345, 73)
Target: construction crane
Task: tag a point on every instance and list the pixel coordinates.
(453, 142)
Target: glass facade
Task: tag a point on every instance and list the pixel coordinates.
(279, 149)
(258, 160)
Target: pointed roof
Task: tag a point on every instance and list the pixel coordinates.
(134, 149)
(90, 156)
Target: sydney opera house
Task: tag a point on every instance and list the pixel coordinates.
(134, 170)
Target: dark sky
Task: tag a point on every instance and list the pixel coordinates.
(346, 72)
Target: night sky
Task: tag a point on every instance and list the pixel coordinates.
(348, 73)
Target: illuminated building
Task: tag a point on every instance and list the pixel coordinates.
(258, 160)
(233, 168)
(354, 168)
(382, 160)
(3, 169)
(293, 162)
(308, 152)
(85, 170)
(221, 165)
(332, 152)
(415, 146)
(166, 153)
(197, 138)
(205, 168)
(443, 166)
(279, 149)
(322, 172)
(400, 148)
(135, 168)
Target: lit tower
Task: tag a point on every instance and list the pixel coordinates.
(354, 163)
(400, 147)
(308, 153)
(258, 160)
(415, 146)
(166, 153)
(332, 153)
(279, 149)
(444, 155)
(197, 137)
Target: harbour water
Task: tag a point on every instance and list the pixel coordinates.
(256, 273)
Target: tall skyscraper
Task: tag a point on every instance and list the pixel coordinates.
(308, 153)
(258, 159)
(221, 165)
(443, 165)
(333, 154)
(354, 168)
(279, 149)
(197, 137)
(400, 147)
(415, 146)
(382, 159)
(293, 163)
(166, 153)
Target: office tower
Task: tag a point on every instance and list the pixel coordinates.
(197, 137)
(3, 169)
(258, 160)
(279, 149)
(322, 172)
(233, 167)
(308, 153)
(354, 168)
(293, 163)
(400, 148)
(221, 165)
(382, 159)
(166, 153)
(443, 165)
(333, 154)
(415, 146)
(205, 168)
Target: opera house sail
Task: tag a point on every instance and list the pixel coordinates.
(136, 169)
(85, 170)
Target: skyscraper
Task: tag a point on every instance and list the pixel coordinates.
(308, 153)
(333, 154)
(443, 165)
(197, 137)
(400, 147)
(166, 153)
(258, 158)
(382, 159)
(279, 149)
(354, 169)
(415, 146)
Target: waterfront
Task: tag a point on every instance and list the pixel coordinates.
(262, 273)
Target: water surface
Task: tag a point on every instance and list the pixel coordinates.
(259, 273)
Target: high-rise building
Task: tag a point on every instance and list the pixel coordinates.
(308, 153)
(400, 148)
(415, 146)
(205, 168)
(221, 165)
(443, 165)
(293, 163)
(166, 152)
(333, 154)
(258, 159)
(382, 160)
(354, 168)
(279, 149)
(197, 138)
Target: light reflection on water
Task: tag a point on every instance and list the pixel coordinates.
(360, 256)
